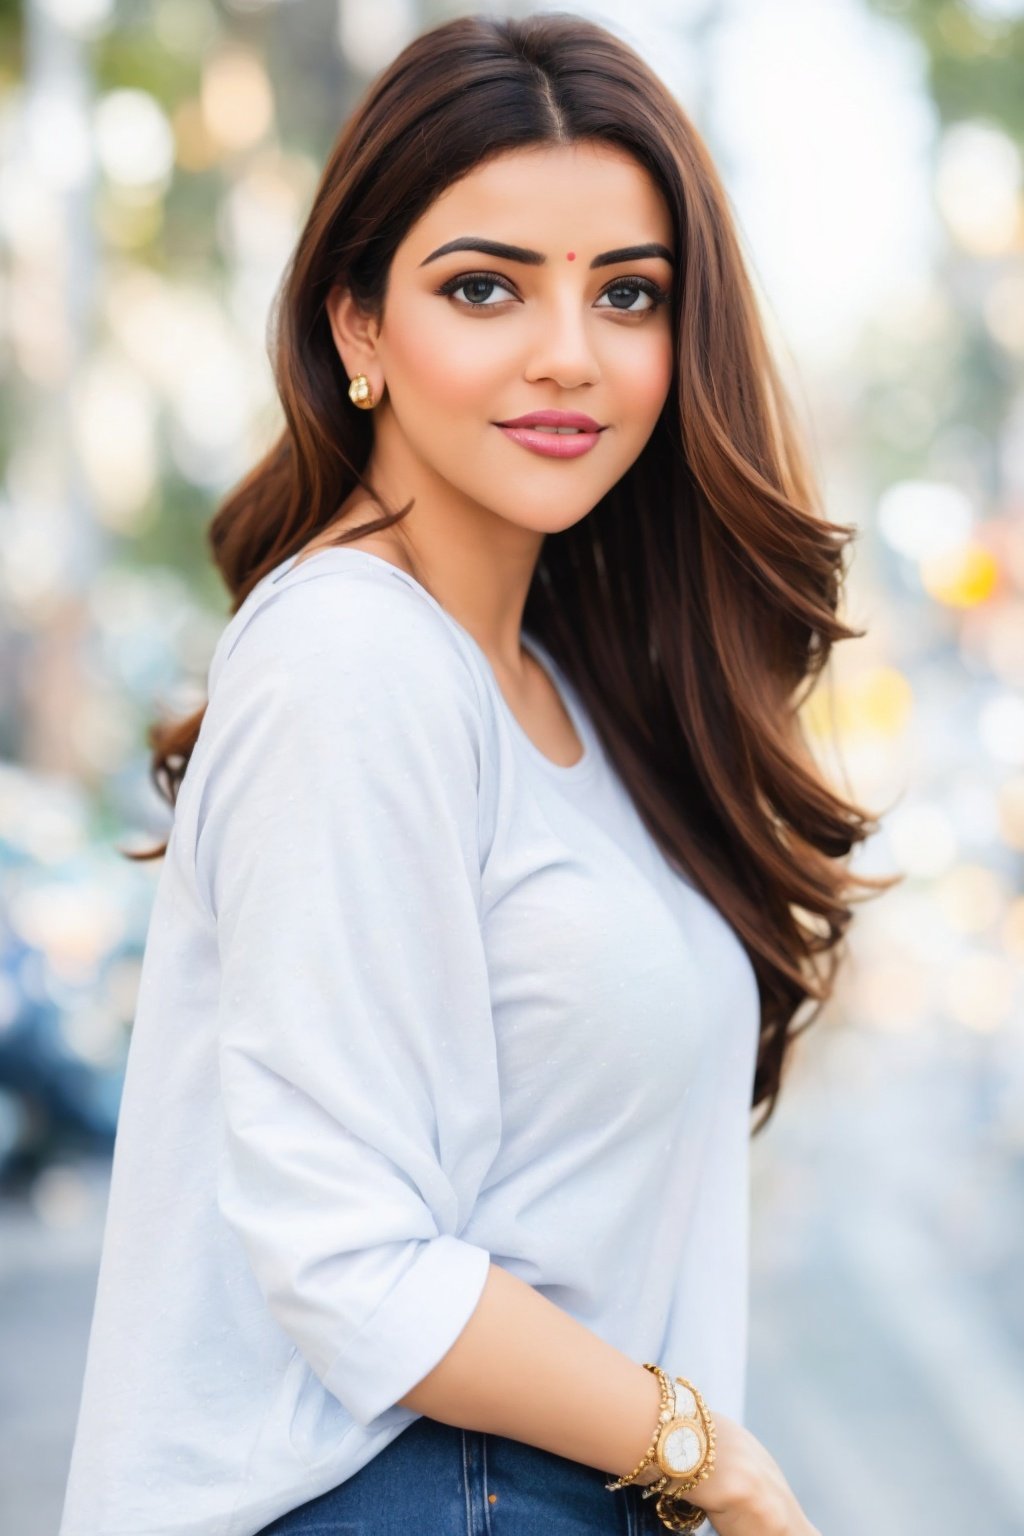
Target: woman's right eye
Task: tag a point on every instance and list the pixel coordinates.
(477, 289)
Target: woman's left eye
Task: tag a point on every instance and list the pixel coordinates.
(477, 289)
(622, 294)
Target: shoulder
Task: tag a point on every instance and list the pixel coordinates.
(342, 698)
(353, 673)
(347, 624)
(355, 639)
(339, 673)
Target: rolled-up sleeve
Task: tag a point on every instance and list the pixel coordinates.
(338, 846)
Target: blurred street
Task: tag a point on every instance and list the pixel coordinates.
(47, 1285)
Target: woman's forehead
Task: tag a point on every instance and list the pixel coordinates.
(555, 199)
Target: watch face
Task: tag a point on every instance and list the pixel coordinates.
(681, 1448)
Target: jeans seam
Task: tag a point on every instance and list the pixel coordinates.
(483, 1478)
(465, 1486)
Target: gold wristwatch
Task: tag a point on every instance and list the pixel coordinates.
(684, 1442)
(681, 1444)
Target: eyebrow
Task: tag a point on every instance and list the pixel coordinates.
(537, 258)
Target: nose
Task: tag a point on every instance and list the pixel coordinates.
(562, 346)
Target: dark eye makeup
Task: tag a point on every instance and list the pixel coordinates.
(488, 280)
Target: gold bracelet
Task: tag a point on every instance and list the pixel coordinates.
(679, 1514)
(664, 1416)
(686, 1444)
(683, 1449)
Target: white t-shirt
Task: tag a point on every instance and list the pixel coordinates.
(414, 999)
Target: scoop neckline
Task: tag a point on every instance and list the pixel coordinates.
(584, 764)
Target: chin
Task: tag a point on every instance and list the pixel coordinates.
(543, 520)
(544, 506)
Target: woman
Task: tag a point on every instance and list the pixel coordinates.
(498, 867)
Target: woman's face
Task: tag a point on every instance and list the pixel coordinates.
(573, 317)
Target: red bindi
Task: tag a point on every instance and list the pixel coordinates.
(570, 255)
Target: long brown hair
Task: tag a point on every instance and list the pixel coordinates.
(700, 595)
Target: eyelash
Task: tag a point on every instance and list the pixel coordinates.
(637, 284)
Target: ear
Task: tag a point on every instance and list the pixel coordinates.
(355, 336)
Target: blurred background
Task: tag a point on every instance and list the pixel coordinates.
(157, 159)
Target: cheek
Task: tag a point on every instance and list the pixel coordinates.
(642, 374)
(450, 362)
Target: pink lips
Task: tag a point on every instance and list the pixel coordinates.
(555, 445)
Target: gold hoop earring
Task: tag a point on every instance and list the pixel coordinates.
(360, 393)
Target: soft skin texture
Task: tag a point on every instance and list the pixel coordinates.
(446, 368)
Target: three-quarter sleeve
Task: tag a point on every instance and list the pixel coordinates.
(338, 847)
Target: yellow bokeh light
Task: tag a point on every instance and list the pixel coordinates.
(875, 702)
(961, 578)
(195, 148)
(237, 101)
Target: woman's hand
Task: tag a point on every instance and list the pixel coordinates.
(746, 1494)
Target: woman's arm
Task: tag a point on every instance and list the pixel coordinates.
(525, 1368)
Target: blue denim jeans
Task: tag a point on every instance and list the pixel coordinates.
(436, 1480)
